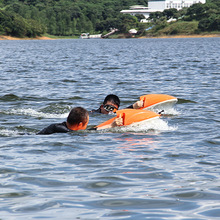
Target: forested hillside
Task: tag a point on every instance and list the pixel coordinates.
(196, 19)
(72, 17)
(64, 17)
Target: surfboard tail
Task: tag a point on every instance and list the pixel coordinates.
(151, 100)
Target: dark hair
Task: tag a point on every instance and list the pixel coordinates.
(77, 115)
(112, 98)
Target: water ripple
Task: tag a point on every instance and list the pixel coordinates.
(167, 169)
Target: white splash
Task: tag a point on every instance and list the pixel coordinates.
(35, 113)
(164, 111)
(8, 133)
(154, 124)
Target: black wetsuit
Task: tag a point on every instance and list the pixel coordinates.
(96, 111)
(55, 128)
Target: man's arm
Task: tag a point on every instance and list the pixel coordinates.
(137, 105)
(117, 122)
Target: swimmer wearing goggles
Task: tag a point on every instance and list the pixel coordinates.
(110, 108)
(110, 105)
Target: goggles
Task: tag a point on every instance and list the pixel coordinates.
(110, 108)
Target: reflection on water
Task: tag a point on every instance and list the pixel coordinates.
(135, 144)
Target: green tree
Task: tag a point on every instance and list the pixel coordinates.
(19, 27)
(211, 23)
(196, 11)
(33, 28)
(170, 13)
(126, 23)
(156, 15)
(139, 17)
(74, 23)
(52, 25)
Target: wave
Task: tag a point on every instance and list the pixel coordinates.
(15, 132)
(182, 101)
(164, 110)
(167, 112)
(35, 113)
(171, 112)
(8, 133)
(155, 125)
(9, 97)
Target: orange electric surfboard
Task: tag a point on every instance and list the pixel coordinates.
(131, 116)
(152, 100)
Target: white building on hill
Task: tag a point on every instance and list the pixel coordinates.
(160, 5)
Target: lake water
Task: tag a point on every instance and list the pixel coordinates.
(167, 170)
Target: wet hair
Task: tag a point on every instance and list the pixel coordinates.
(77, 115)
(112, 98)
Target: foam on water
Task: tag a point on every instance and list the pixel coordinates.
(35, 113)
(162, 110)
(8, 133)
(170, 111)
(154, 124)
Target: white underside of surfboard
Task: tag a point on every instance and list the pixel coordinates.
(166, 105)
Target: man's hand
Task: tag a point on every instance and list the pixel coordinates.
(138, 104)
(117, 122)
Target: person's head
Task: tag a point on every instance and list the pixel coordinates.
(111, 104)
(78, 119)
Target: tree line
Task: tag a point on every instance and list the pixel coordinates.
(72, 17)
(64, 17)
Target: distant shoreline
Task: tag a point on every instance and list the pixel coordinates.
(186, 36)
(4, 37)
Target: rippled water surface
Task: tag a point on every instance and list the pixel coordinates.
(165, 170)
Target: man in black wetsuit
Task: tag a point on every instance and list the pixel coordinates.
(111, 105)
(77, 119)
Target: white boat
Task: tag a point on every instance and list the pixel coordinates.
(90, 36)
(98, 36)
